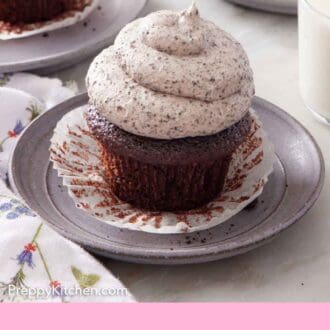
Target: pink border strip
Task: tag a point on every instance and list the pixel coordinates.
(165, 316)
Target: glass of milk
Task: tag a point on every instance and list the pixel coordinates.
(314, 56)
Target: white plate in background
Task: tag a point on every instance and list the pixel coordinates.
(276, 6)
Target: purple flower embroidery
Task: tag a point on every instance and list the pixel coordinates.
(17, 129)
(5, 206)
(12, 215)
(15, 209)
(24, 210)
(26, 255)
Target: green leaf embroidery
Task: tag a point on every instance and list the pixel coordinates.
(34, 110)
(4, 79)
(84, 280)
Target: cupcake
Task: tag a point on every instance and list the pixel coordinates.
(31, 11)
(169, 105)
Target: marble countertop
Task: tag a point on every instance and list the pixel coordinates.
(296, 265)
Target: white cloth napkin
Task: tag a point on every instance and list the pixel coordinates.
(36, 263)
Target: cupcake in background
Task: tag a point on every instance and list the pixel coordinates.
(169, 105)
(33, 11)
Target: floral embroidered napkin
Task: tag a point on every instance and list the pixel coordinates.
(37, 264)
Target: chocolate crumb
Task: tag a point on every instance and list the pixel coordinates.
(252, 205)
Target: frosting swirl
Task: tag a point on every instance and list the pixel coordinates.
(172, 75)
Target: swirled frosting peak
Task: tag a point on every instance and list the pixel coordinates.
(172, 75)
(173, 35)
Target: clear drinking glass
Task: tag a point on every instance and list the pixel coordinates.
(314, 56)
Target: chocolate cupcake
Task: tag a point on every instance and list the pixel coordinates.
(169, 105)
(31, 11)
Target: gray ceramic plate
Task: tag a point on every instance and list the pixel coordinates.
(71, 45)
(292, 189)
(275, 6)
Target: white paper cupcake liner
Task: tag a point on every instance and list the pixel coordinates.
(75, 155)
(62, 21)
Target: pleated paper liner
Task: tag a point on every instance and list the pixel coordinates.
(16, 31)
(75, 155)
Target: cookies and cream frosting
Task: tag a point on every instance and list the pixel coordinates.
(172, 75)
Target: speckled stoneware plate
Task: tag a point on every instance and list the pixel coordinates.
(276, 6)
(292, 189)
(62, 48)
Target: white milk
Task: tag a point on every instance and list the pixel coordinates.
(314, 55)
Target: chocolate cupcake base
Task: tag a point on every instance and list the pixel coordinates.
(163, 187)
(165, 175)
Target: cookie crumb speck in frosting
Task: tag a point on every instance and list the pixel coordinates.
(172, 75)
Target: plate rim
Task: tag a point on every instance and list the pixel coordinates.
(79, 54)
(126, 254)
(290, 9)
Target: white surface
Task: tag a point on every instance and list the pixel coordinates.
(52, 24)
(314, 54)
(321, 5)
(296, 265)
